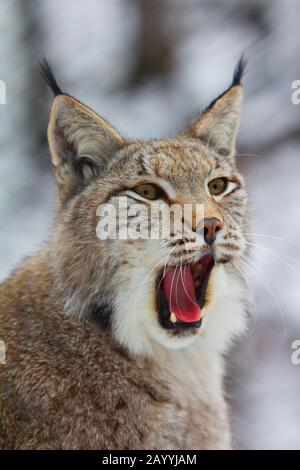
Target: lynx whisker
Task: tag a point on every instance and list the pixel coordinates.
(164, 270)
(265, 283)
(172, 282)
(249, 155)
(273, 237)
(252, 295)
(184, 285)
(280, 256)
(244, 225)
(143, 282)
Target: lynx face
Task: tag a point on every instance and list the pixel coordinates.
(168, 290)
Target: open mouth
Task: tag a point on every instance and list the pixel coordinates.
(181, 294)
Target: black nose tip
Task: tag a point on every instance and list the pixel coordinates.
(211, 227)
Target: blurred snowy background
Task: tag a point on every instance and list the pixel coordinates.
(146, 65)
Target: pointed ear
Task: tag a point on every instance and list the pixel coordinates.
(80, 141)
(218, 125)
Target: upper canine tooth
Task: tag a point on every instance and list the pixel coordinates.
(173, 317)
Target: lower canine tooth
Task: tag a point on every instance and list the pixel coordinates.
(173, 317)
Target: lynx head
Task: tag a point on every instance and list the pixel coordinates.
(169, 288)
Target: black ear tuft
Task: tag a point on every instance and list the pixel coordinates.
(49, 78)
(239, 71)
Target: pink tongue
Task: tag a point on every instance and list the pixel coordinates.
(179, 290)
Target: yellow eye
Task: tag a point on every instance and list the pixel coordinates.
(148, 191)
(217, 186)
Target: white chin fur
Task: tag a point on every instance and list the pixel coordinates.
(136, 326)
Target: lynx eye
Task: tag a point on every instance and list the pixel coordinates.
(148, 191)
(217, 186)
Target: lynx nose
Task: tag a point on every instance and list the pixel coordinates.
(210, 228)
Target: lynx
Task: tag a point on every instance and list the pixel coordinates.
(120, 343)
